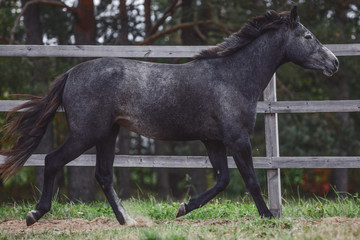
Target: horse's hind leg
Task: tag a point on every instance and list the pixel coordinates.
(54, 161)
(217, 154)
(105, 152)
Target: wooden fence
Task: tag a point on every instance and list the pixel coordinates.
(270, 107)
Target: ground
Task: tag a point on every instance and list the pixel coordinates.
(315, 218)
(66, 225)
(329, 225)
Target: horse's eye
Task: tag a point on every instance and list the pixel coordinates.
(308, 36)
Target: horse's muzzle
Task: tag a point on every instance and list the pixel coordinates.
(331, 63)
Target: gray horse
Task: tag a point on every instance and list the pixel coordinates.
(212, 98)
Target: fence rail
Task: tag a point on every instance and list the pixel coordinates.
(270, 107)
(264, 107)
(164, 161)
(132, 51)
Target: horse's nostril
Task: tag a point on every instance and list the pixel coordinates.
(336, 63)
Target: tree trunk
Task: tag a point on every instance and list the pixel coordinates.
(81, 180)
(85, 27)
(148, 23)
(124, 24)
(33, 29)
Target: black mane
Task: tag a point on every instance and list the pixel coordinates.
(250, 31)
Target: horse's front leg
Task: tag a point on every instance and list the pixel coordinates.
(217, 154)
(240, 148)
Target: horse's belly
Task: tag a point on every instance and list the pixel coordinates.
(163, 130)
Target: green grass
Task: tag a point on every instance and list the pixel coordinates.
(316, 218)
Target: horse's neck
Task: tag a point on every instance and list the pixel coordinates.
(258, 61)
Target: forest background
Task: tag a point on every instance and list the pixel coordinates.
(184, 22)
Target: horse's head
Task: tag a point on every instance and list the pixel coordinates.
(304, 49)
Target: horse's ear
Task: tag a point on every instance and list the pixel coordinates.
(294, 18)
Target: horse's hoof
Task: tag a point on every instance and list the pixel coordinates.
(30, 218)
(181, 211)
(267, 214)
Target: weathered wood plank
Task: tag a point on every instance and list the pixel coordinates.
(314, 106)
(143, 161)
(345, 49)
(266, 107)
(203, 161)
(7, 105)
(100, 51)
(272, 150)
(316, 162)
(131, 51)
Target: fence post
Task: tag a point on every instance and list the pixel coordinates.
(272, 150)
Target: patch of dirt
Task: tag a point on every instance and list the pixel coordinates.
(339, 220)
(102, 223)
(333, 221)
(67, 225)
(200, 222)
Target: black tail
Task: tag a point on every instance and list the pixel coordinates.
(29, 127)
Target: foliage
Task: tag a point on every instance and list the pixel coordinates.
(57, 25)
(216, 209)
(8, 13)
